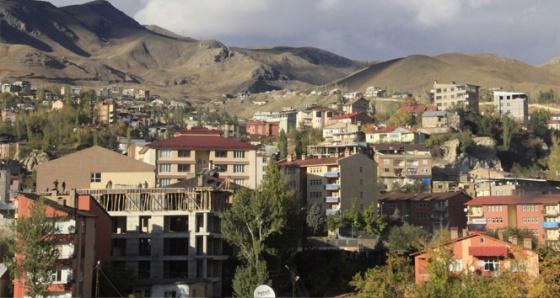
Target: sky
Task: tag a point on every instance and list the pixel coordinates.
(368, 30)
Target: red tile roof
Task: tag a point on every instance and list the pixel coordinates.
(419, 197)
(418, 109)
(488, 251)
(346, 116)
(515, 200)
(310, 162)
(202, 142)
(198, 130)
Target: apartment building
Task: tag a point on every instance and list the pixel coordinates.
(402, 164)
(315, 117)
(453, 95)
(539, 214)
(330, 150)
(84, 233)
(394, 134)
(170, 237)
(94, 168)
(191, 150)
(428, 210)
(508, 186)
(484, 256)
(262, 128)
(285, 119)
(342, 133)
(107, 111)
(512, 104)
(435, 122)
(334, 182)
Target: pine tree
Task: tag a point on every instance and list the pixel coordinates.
(283, 145)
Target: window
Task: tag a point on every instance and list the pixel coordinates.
(95, 177)
(519, 265)
(491, 264)
(164, 168)
(220, 168)
(165, 153)
(456, 265)
(184, 153)
(221, 153)
(240, 182)
(238, 154)
(164, 182)
(183, 168)
(169, 294)
(239, 168)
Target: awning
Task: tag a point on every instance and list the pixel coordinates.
(488, 251)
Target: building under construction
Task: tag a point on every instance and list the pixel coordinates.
(171, 237)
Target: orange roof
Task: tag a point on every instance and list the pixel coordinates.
(310, 162)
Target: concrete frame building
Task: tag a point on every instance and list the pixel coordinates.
(403, 164)
(447, 96)
(512, 104)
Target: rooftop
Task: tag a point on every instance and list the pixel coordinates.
(202, 142)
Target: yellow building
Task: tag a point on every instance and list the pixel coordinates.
(198, 148)
(335, 181)
(448, 96)
(394, 134)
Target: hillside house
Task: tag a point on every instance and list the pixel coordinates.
(394, 134)
(402, 164)
(453, 95)
(512, 104)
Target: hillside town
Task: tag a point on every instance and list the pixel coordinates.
(149, 197)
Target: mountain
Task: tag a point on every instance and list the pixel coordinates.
(417, 73)
(95, 44)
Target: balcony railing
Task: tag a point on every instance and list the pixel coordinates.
(331, 174)
(332, 211)
(332, 199)
(332, 186)
(475, 213)
(552, 213)
(550, 224)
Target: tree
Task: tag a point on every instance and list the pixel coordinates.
(372, 110)
(248, 277)
(554, 161)
(507, 131)
(254, 218)
(283, 145)
(35, 247)
(298, 144)
(316, 218)
(548, 282)
(390, 280)
(400, 118)
(407, 238)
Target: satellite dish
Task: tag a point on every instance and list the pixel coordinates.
(264, 291)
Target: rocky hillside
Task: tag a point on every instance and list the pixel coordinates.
(95, 44)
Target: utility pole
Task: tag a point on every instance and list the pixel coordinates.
(97, 267)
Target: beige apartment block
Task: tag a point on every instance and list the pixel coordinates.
(402, 164)
(453, 95)
(193, 150)
(334, 182)
(512, 104)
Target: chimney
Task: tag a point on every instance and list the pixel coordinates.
(303, 156)
(513, 239)
(501, 235)
(527, 243)
(210, 165)
(454, 233)
(347, 152)
(290, 157)
(336, 154)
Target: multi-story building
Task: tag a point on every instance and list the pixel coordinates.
(356, 105)
(334, 182)
(512, 104)
(359, 118)
(262, 128)
(508, 186)
(94, 168)
(84, 233)
(285, 119)
(315, 117)
(195, 149)
(539, 214)
(435, 122)
(394, 134)
(106, 111)
(484, 256)
(428, 210)
(448, 96)
(402, 164)
(341, 133)
(170, 237)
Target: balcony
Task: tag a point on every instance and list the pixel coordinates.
(332, 174)
(332, 186)
(550, 224)
(475, 213)
(332, 211)
(332, 199)
(441, 208)
(550, 213)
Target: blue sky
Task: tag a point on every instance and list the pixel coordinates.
(525, 30)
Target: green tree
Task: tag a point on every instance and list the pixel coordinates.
(538, 123)
(390, 280)
(507, 131)
(248, 277)
(372, 110)
(553, 172)
(298, 144)
(407, 238)
(548, 282)
(255, 217)
(400, 118)
(283, 145)
(316, 217)
(35, 244)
